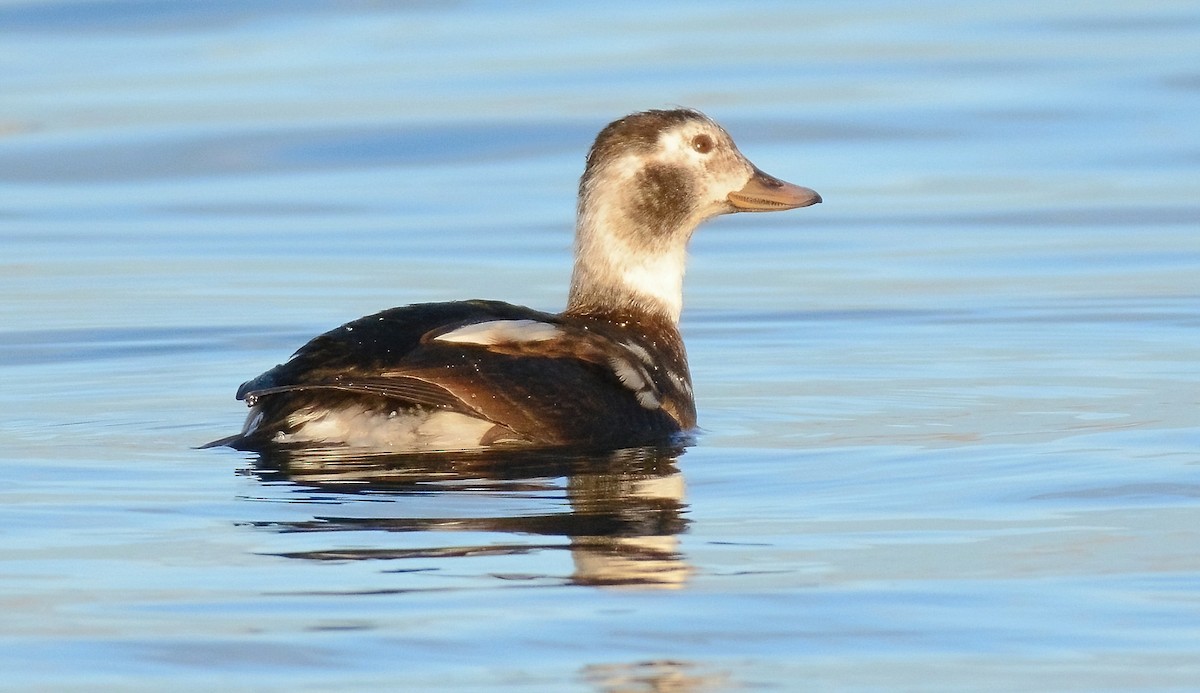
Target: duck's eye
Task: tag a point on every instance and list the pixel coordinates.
(702, 143)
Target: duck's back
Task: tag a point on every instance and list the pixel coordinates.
(447, 376)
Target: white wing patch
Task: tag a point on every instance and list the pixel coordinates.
(648, 399)
(640, 352)
(633, 376)
(680, 382)
(501, 332)
(630, 375)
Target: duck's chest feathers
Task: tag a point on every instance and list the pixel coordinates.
(647, 358)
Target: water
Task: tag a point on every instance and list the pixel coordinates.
(950, 416)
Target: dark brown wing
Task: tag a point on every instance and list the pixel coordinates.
(399, 387)
(383, 342)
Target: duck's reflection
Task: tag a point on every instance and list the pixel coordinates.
(618, 513)
(655, 676)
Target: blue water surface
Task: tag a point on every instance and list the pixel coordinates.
(951, 416)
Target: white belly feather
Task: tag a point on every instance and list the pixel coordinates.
(400, 430)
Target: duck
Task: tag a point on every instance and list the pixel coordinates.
(608, 372)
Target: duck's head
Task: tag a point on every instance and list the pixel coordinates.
(652, 178)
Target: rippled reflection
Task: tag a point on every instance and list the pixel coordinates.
(655, 676)
(620, 513)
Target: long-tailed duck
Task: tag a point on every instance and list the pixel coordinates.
(609, 371)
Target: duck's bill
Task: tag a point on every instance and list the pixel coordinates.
(766, 193)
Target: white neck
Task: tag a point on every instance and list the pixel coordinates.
(617, 268)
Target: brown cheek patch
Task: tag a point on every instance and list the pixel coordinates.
(663, 196)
